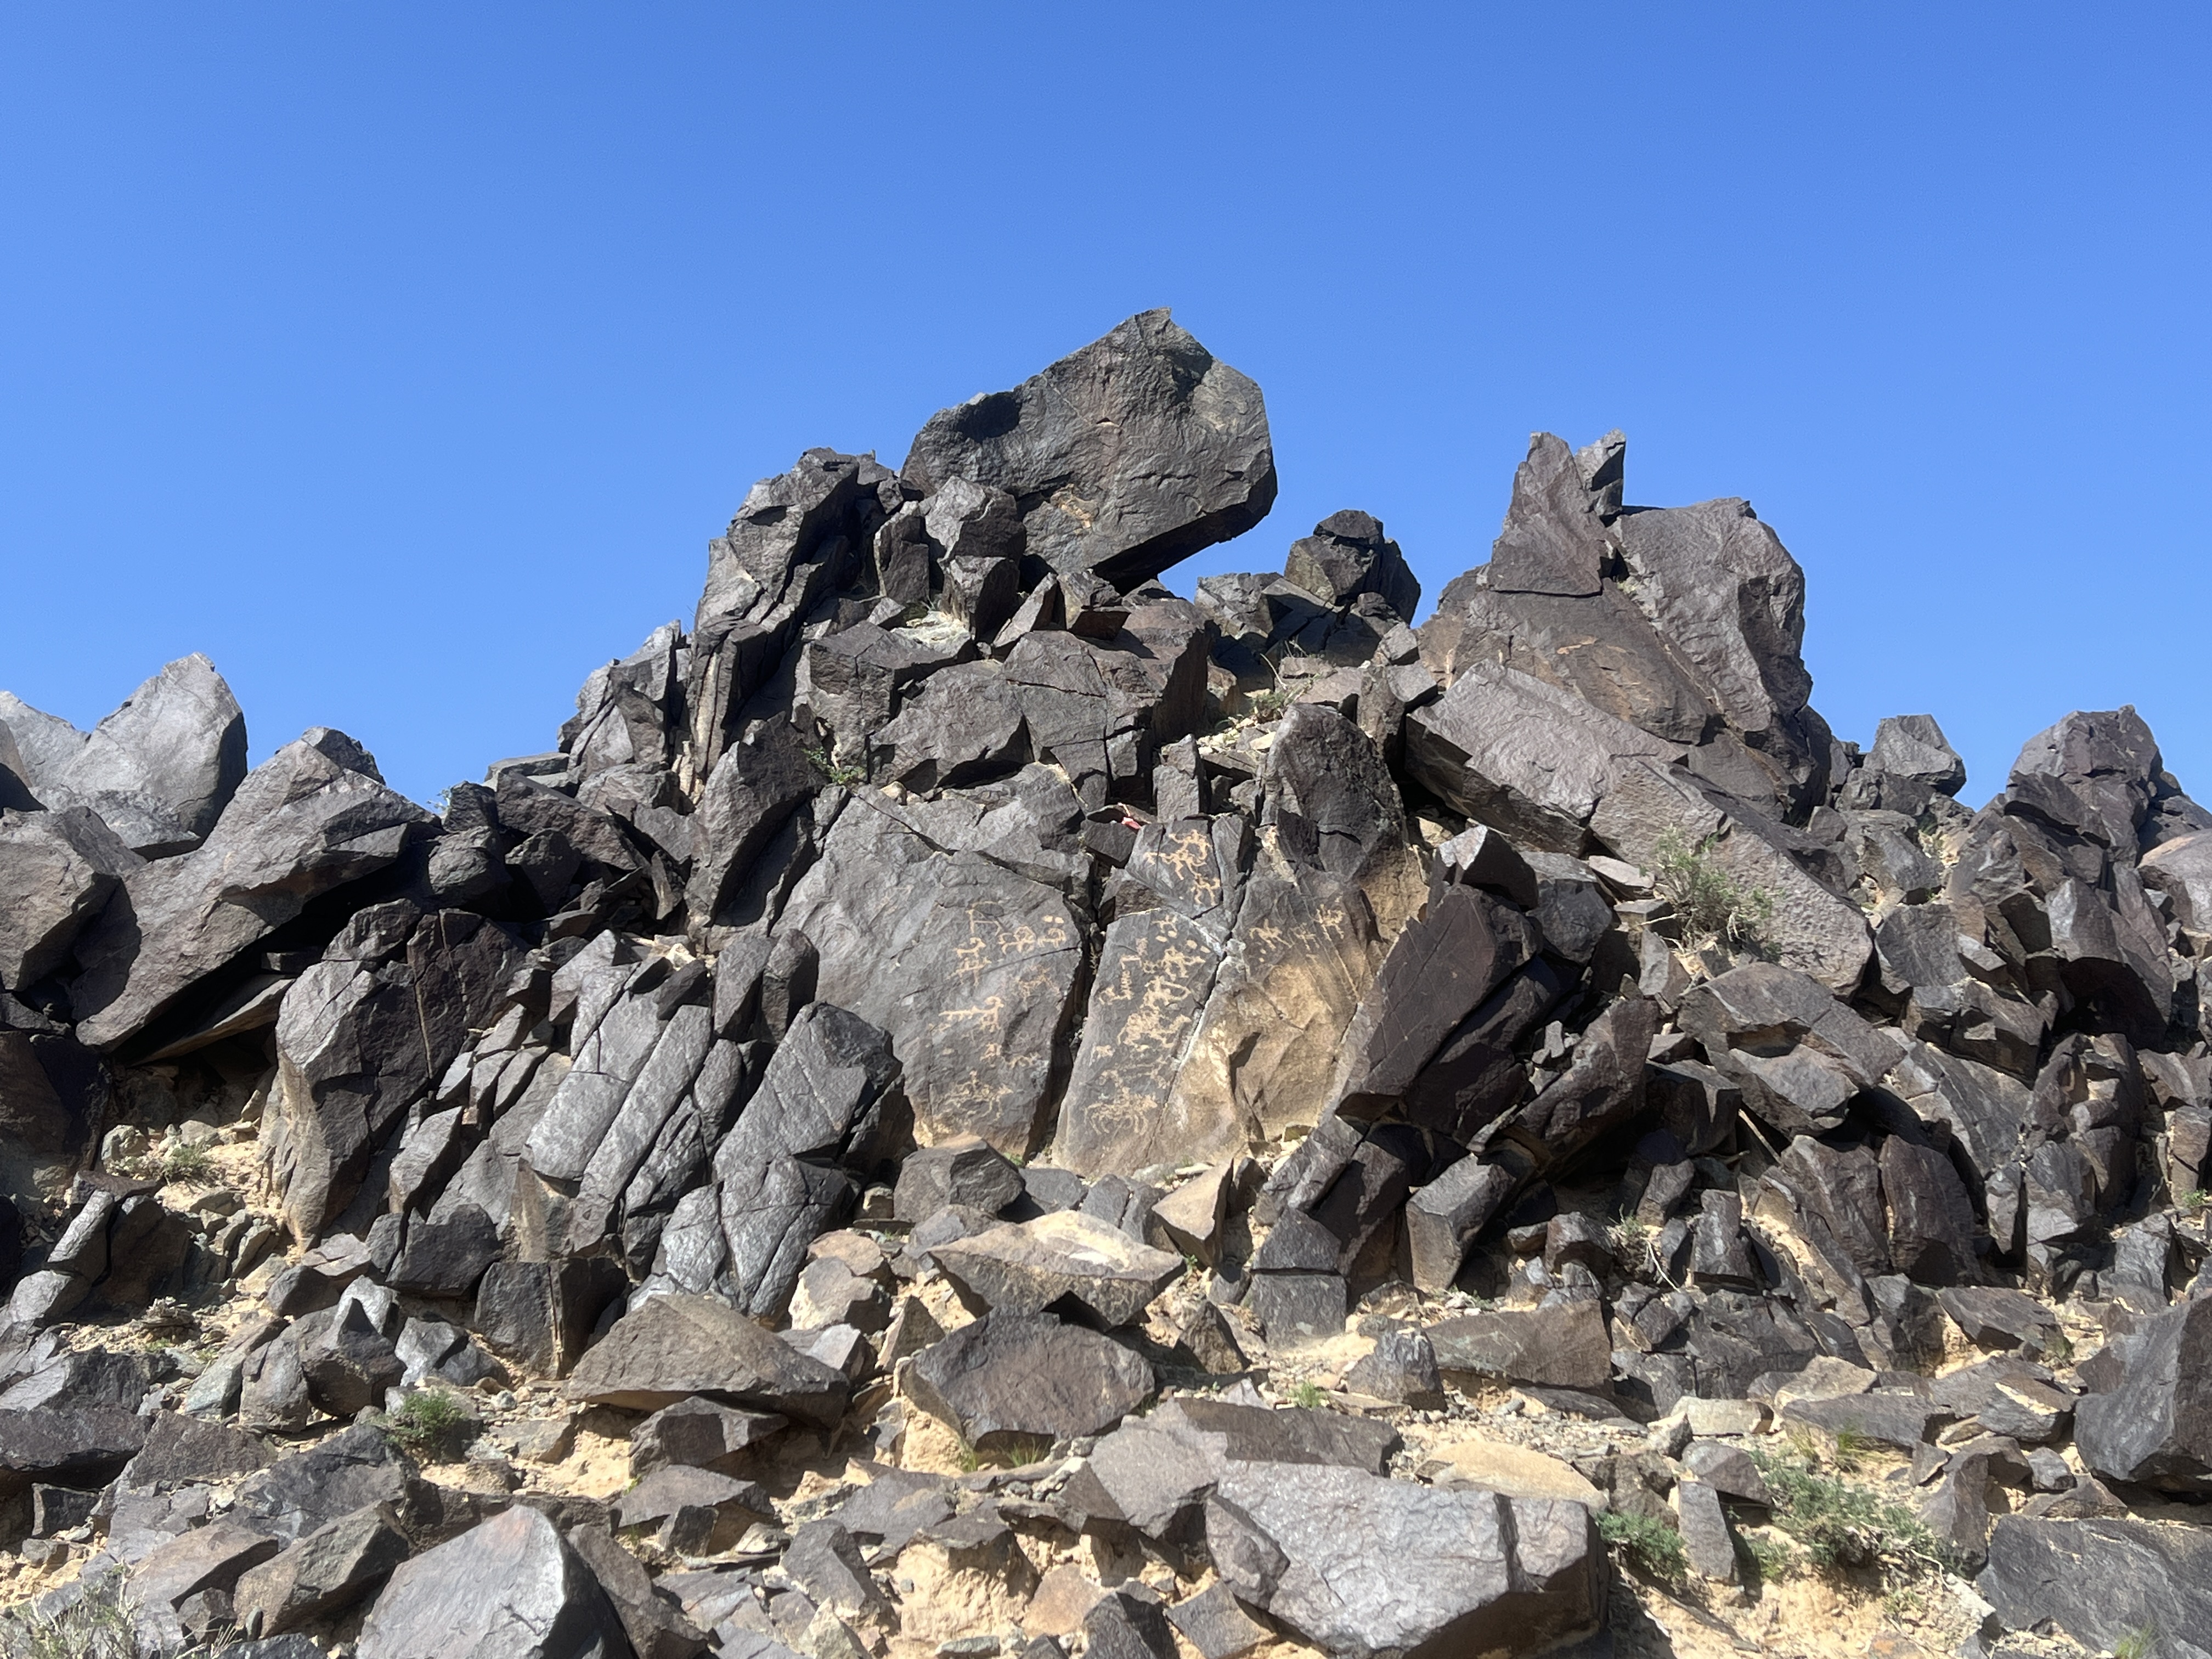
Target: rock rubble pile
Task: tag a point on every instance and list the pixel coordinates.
(976, 1105)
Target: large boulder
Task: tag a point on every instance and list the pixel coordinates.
(363, 1035)
(675, 1347)
(508, 1589)
(160, 769)
(313, 816)
(1010, 1378)
(57, 872)
(1362, 1566)
(2104, 1582)
(1128, 455)
(2155, 1428)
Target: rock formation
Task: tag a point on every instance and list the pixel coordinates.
(1034, 1113)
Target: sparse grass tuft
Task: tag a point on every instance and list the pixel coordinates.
(1630, 1241)
(1840, 1526)
(1706, 897)
(1850, 1448)
(1647, 1544)
(1268, 705)
(188, 1166)
(2141, 1642)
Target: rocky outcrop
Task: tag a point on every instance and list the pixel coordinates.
(958, 1003)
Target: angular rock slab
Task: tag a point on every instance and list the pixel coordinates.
(1134, 452)
(2101, 1581)
(782, 1173)
(1365, 1566)
(311, 817)
(2155, 1428)
(509, 1588)
(1562, 1344)
(1026, 1266)
(1015, 1376)
(972, 969)
(675, 1347)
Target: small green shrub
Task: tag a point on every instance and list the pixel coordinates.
(1268, 705)
(1306, 1395)
(424, 1419)
(185, 1165)
(1706, 897)
(849, 777)
(1850, 1447)
(2194, 1200)
(1841, 1526)
(2141, 1642)
(1646, 1543)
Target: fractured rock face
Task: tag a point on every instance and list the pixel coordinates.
(309, 819)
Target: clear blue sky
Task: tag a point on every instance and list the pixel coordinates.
(404, 357)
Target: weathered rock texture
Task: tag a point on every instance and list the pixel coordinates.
(958, 1001)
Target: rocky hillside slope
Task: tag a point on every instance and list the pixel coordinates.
(974, 1105)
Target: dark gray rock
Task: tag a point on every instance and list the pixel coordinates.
(2155, 1427)
(160, 769)
(1137, 451)
(1561, 1344)
(1010, 1376)
(509, 1588)
(2101, 1581)
(1602, 1090)
(1443, 1219)
(966, 1169)
(1997, 1318)
(653, 1619)
(1898, 1421)
(786, 1172)
(209, 1558)
(363, 1034)
(1913, 746)
(694, 1512)
(352, 1471)
(312, 817)
(1556, 539)
(675, 1347)
(1122, 1625)
(1798, 1054)
(331, 1568)
(57, 870)
(1438, 971)
(178, 1449)
(1346, 555)
(1323, 1551)
(84, 1446)
(1215, 1626)
(543, 1314)
(755, 788)
(700, 1434)
(970, 967)
(1402, 1369)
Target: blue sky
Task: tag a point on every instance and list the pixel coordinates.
(404, 358)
